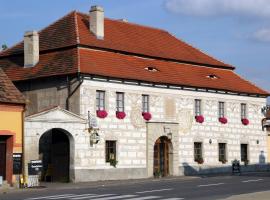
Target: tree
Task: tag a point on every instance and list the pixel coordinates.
(4, 46)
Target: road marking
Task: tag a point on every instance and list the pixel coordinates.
(116, 197)
(174, 199)
(214, 184)
(254, 180)
(92, 196)
(144, 198)
(71, 196)
(149, 191)
(46, 197)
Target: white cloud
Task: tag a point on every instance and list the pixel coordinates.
(262, 35)
(258, 8)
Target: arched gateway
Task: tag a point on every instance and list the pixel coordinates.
(54, 151)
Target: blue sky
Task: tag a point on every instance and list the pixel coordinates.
(234, 31)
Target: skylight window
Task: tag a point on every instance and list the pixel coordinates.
(212, 76)
(151, 69)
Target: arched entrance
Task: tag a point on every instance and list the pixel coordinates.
(162, 156)
(54, 150)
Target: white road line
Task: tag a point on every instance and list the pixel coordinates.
(174, 199)
(46, 197)
(144, 198)
(93, 196)
(116, 197)
(149, 191)
(214, 184)
(71, 196)
(254, 180)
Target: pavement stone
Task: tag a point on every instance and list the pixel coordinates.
(265, 195)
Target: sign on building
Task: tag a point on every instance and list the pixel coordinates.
(34, 167)
(17, 163)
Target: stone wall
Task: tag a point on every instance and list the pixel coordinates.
(174, 106)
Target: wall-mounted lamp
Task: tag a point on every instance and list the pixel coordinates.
(210, 141)
(168, 132)
(94, 136)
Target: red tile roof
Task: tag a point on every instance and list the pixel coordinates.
(68, 47)
(8, 92)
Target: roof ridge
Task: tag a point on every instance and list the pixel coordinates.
(233, 68)
(131, 23)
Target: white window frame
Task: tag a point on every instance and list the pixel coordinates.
(100, 99)
(198, 107)
(145, 103)
(120, 101)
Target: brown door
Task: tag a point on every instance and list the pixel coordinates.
(3, 159)
(161, 156)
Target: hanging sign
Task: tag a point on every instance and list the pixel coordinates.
(17, 163)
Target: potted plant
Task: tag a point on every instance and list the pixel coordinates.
(147, 116)
(223, 120)
(245, 121)
(113, 162)
(246, 162)
(157, 174)
(199, 119)
(199, 160)
(223, 161)
(120, 115)
(102, 113)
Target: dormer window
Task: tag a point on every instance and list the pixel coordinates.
(151, 69)
(212, 76)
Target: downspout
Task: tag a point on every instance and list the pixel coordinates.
(70, 93)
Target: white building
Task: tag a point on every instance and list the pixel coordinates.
(198, 114)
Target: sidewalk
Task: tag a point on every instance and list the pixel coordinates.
(252, 196)
(94, 184)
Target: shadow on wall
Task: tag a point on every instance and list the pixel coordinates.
(202, 169)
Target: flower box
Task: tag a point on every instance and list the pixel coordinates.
(199, 119)
(102, 114)
(147, 116)
(245, 122)
(199, 160)
(223, 120)
(120, 115)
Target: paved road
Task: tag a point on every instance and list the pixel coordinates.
(207, 188)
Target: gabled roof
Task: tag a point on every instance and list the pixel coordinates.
(55, 115)
(8, 92)
(68, 47)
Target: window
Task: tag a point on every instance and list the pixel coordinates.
(120, 105)
(145, 103)
(222, 152)
(243, 111)
(197, 151)
(110, 150)
(244, 152)
(198, 107)
(221, 109)
(100, 100)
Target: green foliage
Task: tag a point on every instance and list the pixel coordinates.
(4, 46)
(113, 162)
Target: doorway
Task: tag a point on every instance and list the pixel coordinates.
(54, 151)
(3, 148)
(162, 156)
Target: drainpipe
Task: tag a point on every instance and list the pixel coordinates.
(70, 93)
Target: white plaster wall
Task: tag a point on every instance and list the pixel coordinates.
(131, 139)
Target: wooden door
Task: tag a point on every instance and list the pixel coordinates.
(161, 156)
(3, 159)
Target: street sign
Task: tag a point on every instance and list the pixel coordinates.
(34, 167)
(17, 163)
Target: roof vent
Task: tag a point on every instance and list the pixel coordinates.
(212, 76)
(123, 20)
(151, 69)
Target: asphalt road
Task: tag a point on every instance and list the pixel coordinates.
(204, 188)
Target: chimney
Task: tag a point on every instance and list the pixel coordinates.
(97, 21)
(31, 48)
